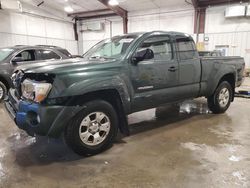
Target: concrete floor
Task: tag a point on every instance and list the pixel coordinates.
(196, 149)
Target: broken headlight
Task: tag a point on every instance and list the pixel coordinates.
(35, 91)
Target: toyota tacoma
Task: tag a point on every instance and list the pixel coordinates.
(87, 101)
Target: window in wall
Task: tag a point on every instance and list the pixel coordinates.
(160, 45)
(186, 48)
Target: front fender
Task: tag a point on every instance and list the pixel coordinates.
(92, 85)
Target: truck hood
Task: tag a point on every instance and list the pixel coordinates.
(61, 66)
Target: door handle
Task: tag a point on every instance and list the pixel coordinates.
(172, 69)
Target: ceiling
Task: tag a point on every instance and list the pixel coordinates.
(132, 5)
(206, 3)
(77, 5)
(129, 5)
(87, 5)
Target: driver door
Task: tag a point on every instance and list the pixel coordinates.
(154, 80)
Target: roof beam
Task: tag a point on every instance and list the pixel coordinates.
(91, 12)
(218, 2)
(195, 3)
(96, 16)
(118, 10)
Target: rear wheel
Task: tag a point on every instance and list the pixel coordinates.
(220, 101)
(94, 129)
(3, 91)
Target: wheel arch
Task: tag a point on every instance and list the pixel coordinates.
(5, 82)
(113, 97)
(230, 78)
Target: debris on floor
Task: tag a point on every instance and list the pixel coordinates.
(242, 93)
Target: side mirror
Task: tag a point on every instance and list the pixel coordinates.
(16, 60)
(142, 54)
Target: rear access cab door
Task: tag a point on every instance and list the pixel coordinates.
(189, 67)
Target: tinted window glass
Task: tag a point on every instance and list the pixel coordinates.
(65, 52)
(186, 48)
(48, 54)
(27, 55)
(160, 45)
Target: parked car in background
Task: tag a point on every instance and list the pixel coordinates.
(88, 101)
(215, 53)
(11, 57)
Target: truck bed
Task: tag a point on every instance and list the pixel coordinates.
(236, 61)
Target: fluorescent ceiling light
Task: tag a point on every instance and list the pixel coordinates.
(68, 9)
(113, 2)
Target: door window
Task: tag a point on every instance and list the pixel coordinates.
(160, 45)
(27, 55)
(48, 54)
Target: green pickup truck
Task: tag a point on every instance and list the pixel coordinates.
(87, 101)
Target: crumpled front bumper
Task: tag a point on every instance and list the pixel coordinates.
(39, 119)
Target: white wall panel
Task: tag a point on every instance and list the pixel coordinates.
(36, 40)
(54, 29)
(141, 21)
(5, 22)
(72, 46)
(56, 42)
(18, 24)
(21, 29)
(19, 39)
(144, 23)
(6, 40)
(217, 23)
(35, 26)
(90, 38)
(68, 31)
(234, 32)
(166, 21)
(239, 43)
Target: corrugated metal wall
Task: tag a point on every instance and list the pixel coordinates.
(20, 29)
(141, 21)
(234, 32)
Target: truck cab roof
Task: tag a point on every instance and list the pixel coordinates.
(172, 33)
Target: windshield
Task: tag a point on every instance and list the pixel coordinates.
(113, 48)
(4, 53)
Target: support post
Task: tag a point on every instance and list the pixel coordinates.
(120, 12)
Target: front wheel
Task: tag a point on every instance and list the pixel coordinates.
(94, 129)
(220, 101)
(3, 91)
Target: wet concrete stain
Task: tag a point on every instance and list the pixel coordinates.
(193, 149)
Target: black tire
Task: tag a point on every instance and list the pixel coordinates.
(72, 135)
(167, 111)
(3, 88)
(214, 102)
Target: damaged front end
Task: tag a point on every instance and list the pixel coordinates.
(26, 104)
